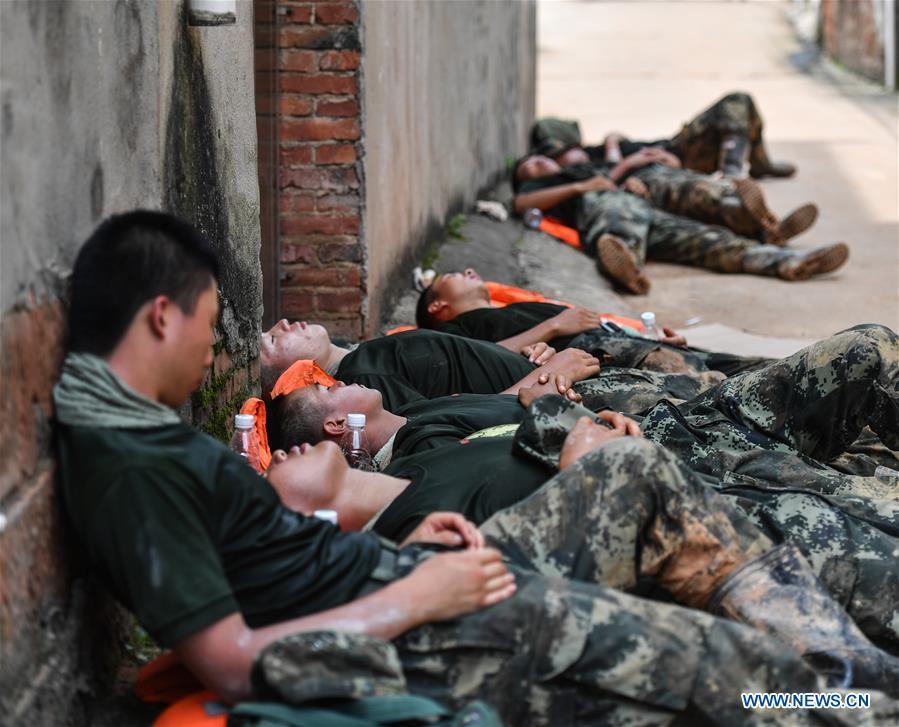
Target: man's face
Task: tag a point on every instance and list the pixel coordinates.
(573, 156)
(190, 347)
(455, 287)
(307, 477)
(339, 400)
(535, 167)
(284, 343)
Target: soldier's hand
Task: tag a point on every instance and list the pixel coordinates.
(636, 186)
(599, 183)
(446, 528)
(451, 584)
(538, 353)
(618, 422)
(548, 383)
(574, 320)
(672, 338)
(586, 435)
(573, 363)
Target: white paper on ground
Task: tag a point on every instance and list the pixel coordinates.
(719, 337)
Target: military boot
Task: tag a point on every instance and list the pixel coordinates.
(795, 223)
(733, 155)
(806, 264)
(780, 595)
(617, 262)
(761, 166)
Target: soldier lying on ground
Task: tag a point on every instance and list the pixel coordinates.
(459, 303)
(199, 547)
(726, 137)
(416, 365)
(622, 230)
(744, 435)
(737, 204)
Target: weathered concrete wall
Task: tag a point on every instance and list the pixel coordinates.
(852, 32)
(106, 106)
(448, 95)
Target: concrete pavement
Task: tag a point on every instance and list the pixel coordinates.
(646, 67)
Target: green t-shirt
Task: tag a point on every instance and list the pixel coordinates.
(418, 365)
(476, 479)
(497, 324)
(438, 422)
(184, 533)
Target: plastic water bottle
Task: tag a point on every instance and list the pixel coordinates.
(355, 444)
(648, 319)
(326, 515)
(244, 441)
(532, 218)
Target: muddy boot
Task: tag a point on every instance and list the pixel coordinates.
(615, 261)
(779, 594)
(733, 155)
(753, 200)
(807, 264)
(797, 222)
(761, 166)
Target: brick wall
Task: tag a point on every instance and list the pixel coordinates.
(320, 200)
(852, 33)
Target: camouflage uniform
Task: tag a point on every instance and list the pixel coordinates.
(569, 652)
(762, 437)
(656, 235)
(698, 143)
(686, 193)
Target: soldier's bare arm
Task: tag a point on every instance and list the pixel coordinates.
(222, 654)
(545, 199)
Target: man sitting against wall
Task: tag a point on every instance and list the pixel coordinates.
(201, 549)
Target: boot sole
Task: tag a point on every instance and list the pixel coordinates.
(754, 202)
(819, 262)
(797, 222)
(620, 265)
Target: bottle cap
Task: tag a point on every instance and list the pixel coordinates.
(329, 515)
(244, 421)
(648, 319)
(355, 420)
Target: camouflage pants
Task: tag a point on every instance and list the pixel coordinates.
(635, 390)
(565, 652)
(656, 235)
(762, 437)
(633, 352)
(698, 143)
(708, 199)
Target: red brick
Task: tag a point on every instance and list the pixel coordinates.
(319, 130)
(336, 13)
(348, 300)
(296, 13)
(302, 61)
(298, 253)
(335, 154)
(338, 108)
(319, 38)
(296, 155)
(334, 277)
(335, 179)
(339, 60)
(293, 105)
(307, 224)
(295, 303)
(347, 203)
(319, 83)
(295, 203)
(339, 252)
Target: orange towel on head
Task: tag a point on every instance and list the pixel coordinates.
(165, 679)
(191, 712)
(302, 373)
(566, 234)
(256, 407)
(502, 295)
